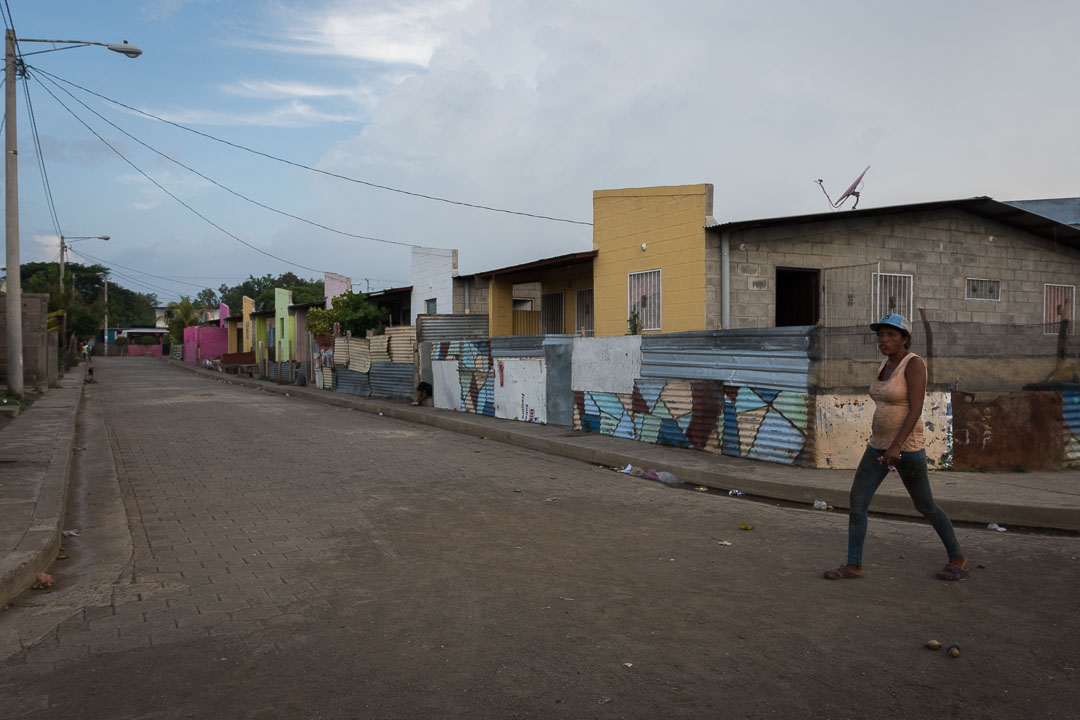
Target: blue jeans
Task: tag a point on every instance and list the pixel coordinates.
(869, 476)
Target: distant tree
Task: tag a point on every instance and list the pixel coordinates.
(207, 298)
(358, 316)
(180, 315)
(261, 290)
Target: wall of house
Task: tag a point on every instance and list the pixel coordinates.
(334, 285)
(261, 336)
(248, 307)
(478, 295)
(203, 343)
(230, 327)
(284, 335)
(432, 272)
(940, 248)
(670, 221)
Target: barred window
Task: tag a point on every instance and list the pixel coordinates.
(893, 293)
(643, 298)
(1059, 303)
(584, 307)
(982, 289)
(551, 313)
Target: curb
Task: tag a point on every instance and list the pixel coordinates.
(37, 549)
(968, 511)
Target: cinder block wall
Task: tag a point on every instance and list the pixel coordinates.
(941, 249)
(670, 221)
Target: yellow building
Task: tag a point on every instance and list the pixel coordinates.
(650, 264)
(553, 296)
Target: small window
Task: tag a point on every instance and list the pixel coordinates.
(643, 299)
(894, 294)
(584, 306)
(982, 289)
(1059, 303)
(431, 306)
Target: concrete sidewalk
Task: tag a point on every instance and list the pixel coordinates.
(36, 448)
(35, 460)
(1045, 499)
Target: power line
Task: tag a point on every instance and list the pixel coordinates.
(170, 194)
(113, 271)
(141, 272)
(224, 187)
(337, 176)
(50, 201)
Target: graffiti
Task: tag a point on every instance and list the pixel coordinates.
(703, 415)
(1070, 411)
(475, 371)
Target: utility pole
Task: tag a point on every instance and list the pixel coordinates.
(11, 226)
(106, 352)
(61, 267)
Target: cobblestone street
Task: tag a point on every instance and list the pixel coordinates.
(298, 560)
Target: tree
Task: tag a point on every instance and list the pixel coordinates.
(180, 315)
(206, 298)
(261, 290)
(358, 316)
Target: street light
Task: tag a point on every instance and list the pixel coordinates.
(11, 197)
(64, 241)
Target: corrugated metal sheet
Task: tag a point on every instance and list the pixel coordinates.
(328, 378)
(773, 358)
(526, 345)
(380, 348)
(439, 328)
(359, 355)
(352, 382)
(341, 350)
(272, 370)
(393, 380)
(1070, 410)
(401, 343)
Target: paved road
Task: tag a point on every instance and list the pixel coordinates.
(293, 560)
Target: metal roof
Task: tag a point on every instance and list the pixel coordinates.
(390, 291)
(985, 207)
(313, 303)
(568, 259)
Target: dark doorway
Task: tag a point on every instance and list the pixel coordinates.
(797, 296)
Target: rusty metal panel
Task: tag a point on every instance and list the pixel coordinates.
(774, 358)
(1019, 430)
(352, 382)
(393, 380)
(440, 328)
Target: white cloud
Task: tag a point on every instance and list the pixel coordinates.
(294, 114)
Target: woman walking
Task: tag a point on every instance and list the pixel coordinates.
(896, 443)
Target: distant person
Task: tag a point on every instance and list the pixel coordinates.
(896, 443)
(423, 392)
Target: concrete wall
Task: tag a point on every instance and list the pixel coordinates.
(334, 285)
(842, 429)
(670, 221)
(35, 323)
(202, 343)
(477, 291)
(607, 365)
(940, 248)
(432, 272)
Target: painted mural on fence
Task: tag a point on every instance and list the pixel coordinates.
(704, 415)
(475, 371)
(1070, 410)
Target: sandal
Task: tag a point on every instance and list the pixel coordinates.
(952, 572)
(843, 573)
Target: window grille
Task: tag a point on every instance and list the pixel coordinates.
(1059, 303)
(643, 297)
(551, 313)
(893, 293)
(982, 289)
(585, 312)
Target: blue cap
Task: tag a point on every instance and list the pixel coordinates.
(894, 321)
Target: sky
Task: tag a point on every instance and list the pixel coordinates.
(521, 105)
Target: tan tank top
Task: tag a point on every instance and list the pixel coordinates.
(890, 397)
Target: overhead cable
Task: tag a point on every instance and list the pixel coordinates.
(302, 166)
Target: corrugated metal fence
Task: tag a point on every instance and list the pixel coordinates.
(441, 328)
